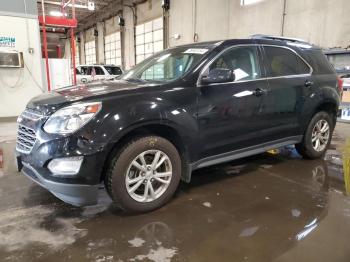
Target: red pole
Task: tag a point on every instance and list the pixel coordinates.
(59, 51)
(45, 48)
(72, 36)
(73, 55)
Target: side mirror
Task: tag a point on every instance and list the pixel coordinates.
(219, 75)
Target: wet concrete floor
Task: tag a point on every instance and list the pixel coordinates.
(271, 207)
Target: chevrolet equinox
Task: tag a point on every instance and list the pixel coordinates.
(182, 109)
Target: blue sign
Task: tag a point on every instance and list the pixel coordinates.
(7, 41)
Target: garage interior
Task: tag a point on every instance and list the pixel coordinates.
(275, 206)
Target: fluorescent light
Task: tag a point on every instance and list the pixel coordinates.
(56, 13)
(90, 5)
(249, 2)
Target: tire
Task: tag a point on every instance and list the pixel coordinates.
(123, 170)
(306, 147)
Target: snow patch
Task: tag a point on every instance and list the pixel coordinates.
(248, 232)
(207, 204)
(296, 212)
(136, 242)
(161, 254)
(20, 227)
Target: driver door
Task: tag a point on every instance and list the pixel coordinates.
(229, 113)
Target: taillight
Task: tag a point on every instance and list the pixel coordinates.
(340, 84)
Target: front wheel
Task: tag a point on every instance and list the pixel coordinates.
(145, 174)
(317, 136)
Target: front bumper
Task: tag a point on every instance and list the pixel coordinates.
(74, 194)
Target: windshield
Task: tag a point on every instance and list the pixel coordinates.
(166, 66)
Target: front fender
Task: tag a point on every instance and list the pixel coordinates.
(117, 121)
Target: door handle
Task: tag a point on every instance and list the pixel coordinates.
(259, 92)
(309, 83)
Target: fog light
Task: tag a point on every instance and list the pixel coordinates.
(65, 166)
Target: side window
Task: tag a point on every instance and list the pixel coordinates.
(320, 64)
(242, 60)
(88, 70)
(83, 70)
(283, 62)
(98, 70)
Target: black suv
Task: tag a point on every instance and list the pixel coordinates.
(182, 109)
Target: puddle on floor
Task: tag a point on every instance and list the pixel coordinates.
(271, 207)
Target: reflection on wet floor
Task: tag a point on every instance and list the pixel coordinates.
(271, 207)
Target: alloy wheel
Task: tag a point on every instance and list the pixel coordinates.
(320, 135)
(148, 176)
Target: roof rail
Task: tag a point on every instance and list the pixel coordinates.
(280, 38)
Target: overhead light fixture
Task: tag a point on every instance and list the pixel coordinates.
(56, 13)
(90, 5)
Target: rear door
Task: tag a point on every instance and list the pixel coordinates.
(289, 81)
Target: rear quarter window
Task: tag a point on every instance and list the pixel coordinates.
(319, 62)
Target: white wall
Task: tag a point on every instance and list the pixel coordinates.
(323, 22)
(18, 86)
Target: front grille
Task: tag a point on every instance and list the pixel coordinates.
(31, 115)
(26, 138)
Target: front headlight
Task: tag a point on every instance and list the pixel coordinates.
(71, 118)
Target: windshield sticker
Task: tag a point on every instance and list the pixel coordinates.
(199, 51)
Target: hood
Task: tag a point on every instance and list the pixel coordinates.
(50, 101)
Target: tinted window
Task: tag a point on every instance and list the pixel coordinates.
(99, 70)
(284, 62)
(242, 60)
(113, 70)
(319, 62)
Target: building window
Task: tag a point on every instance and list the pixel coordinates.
(113, 54)
(149, 39)
(90, 53)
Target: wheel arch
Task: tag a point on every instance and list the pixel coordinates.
(329, 107)
(166, 131)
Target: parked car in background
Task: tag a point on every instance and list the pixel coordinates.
(182, 109)
(340, 59)
(89, 73)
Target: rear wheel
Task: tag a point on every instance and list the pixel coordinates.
(317, 136)
(145, 174)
